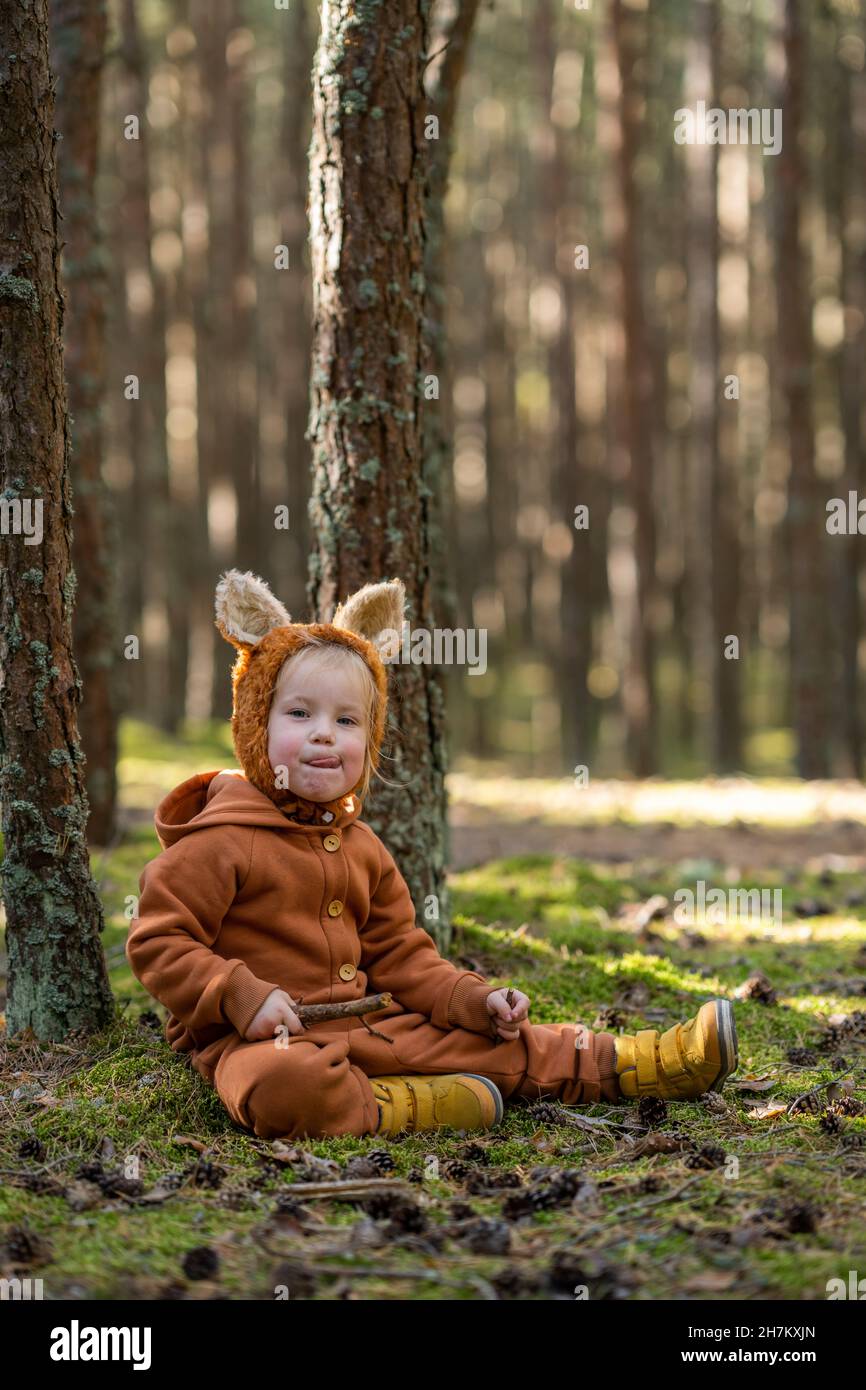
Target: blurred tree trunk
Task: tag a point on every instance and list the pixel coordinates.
(442, 97)
(162, 686)
(78, 29)
(806, 515)
(57, 977)
(289, 353)
(240, 291)
(714, 524)
(370, 505)
(215, 350)
(570, 483)
(849, 119)
(629, 30)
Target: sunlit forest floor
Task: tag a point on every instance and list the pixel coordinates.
(569, 895)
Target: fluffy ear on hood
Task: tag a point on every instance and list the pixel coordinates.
(375, 612)
(246, 610)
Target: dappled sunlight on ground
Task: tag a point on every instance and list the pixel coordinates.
(708, 801)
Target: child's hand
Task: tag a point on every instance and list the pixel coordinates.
(276, 1012)
(506, 1016)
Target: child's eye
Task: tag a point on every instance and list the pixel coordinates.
(349, 717)
(296, 711)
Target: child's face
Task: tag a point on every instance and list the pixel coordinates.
(317, 730)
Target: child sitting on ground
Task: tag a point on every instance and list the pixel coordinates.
(270, 893)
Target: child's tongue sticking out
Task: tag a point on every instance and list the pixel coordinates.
(318, 723)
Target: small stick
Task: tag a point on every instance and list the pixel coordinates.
(356, 1187)
(351, 1008)
(509, 999)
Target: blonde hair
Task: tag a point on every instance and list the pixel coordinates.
(328, 656)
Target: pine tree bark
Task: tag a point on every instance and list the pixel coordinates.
(163, 672)
(78, 29)
(850, 121)
(570, 480)
(57, 977)
(639, 691)
(370, 506)
(443, 95)
(805, 518)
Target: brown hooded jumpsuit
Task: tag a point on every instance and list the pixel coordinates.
(257, 889)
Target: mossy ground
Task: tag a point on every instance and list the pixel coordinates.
(788, 1216)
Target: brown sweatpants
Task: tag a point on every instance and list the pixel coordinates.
(316, 1083)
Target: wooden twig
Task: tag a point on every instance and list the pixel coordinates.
(387, 1272)
(357, 1187)
(350, 1008)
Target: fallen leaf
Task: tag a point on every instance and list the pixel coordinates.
(766, 1110)
(753, 1083)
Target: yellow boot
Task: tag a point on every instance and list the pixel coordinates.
(687, 1060)
(461, 1100)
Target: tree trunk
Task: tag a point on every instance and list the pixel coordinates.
(639, 692)
(370, 506)
(806, 515)
(78, 29)
(57, 975)
(443, 94)
(570, 481)
(163, 681)
(851, 359)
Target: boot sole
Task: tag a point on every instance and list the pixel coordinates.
(727, 1030)
(495, 1093)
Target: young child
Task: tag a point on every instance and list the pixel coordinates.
(270, 892)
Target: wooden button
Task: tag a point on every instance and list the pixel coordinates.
(347, 972)
(335, 908)
(331, 842)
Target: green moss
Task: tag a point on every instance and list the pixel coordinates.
(549, 926)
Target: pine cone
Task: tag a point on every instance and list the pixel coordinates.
(472, 1152)
(831, 1123)
(849, 1105)
(382, 1160)
(716, 1104)
(651, 1183)
(92, 1170)
(801, 1218)
(455, 1170)
(22, 1247)
(407, 1217)
(31, 1148)
(544, 1112)
(486, 1235)
(459, 1210)
(652, 1111)
(200, 1263)
(171, 1181)
(115, 1183)
(802, 1056)
(707, 1156)
(206, 1174)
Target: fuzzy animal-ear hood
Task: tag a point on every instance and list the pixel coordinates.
(248, 615)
